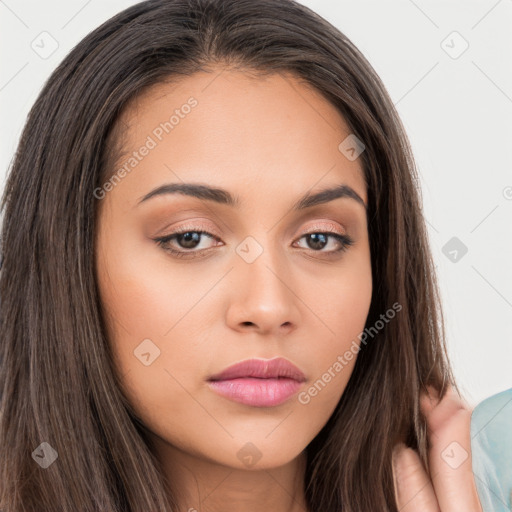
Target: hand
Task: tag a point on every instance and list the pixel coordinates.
(450, 487)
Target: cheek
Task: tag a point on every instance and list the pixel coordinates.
(342, 305)
(343, 300)
(142, 295)
(156, 325)
(139, 310)
(145, 317)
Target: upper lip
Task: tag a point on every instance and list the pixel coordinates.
(261, 368)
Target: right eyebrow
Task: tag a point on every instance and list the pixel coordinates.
(218, 195)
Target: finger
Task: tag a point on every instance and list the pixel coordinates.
(450, 463)
(451, 402)
(413, 488)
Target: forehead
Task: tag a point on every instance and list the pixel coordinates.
(234, 129)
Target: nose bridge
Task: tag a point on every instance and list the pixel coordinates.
(265, 267)
(264, 294)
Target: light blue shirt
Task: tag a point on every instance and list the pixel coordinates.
(491, 451)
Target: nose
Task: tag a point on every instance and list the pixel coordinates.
(262, 298)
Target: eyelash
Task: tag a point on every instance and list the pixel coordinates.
(163, 242)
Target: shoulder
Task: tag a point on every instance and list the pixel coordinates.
(491, 451)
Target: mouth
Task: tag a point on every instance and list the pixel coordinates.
(258, 382)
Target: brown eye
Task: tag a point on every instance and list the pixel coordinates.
(186, 242)
(318, 240)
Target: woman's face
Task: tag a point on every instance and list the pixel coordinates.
(266, 281)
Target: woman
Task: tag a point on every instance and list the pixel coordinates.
(294, 362)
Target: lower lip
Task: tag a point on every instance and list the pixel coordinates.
(256, 392)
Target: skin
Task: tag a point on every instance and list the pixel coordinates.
(450, 485)
(267, 141)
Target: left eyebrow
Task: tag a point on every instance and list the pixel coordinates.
(222, 196)
(326, 195)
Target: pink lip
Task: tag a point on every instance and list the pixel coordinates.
(258, 382)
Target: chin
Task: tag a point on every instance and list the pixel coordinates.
(259, 453)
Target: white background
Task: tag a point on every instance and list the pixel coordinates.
(457, 113)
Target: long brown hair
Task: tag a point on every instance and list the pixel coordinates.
(57, 379)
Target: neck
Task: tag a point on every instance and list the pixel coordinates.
(204, 485)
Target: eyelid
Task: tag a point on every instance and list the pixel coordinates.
(191, 226)
(328, 225)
